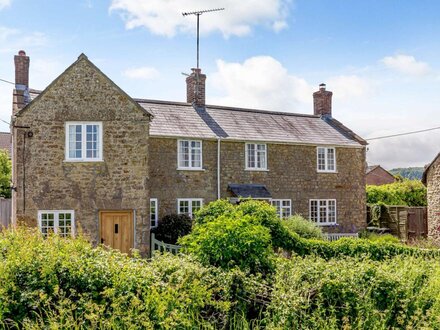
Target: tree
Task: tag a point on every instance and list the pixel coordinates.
(5, 175)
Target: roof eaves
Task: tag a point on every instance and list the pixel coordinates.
(344, 129)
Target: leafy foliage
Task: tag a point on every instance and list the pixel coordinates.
(5, 175)
(78, 286)
(58, 283)
(173, 226)
(232, 241)
(411, 173)
(355, 293)
(407, 192)
(303, 227)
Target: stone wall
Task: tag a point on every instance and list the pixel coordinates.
(119, 182)
(291, 175)
(433, 185)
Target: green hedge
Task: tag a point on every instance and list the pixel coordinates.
(202, 241)
(73, 285)
(355, 293)
(407, 192)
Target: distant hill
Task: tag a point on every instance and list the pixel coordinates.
(412, 173)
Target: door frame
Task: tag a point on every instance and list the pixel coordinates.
(118, 211)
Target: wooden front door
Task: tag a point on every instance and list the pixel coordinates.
(116, 229)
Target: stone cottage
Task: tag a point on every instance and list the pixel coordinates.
(431, 179)
(89, 158)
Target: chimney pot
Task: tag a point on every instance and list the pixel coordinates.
(322, 102)
(22, 53)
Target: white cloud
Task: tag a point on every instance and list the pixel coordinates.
(145, 73)
(260, 82)
(263, 82)
(407, 151)
(406, 64)
(5, 32)
(345, 87)
(16, 40)
(4, 3)
(165, 17)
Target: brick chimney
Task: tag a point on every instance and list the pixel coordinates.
(21, 91)
(322, 102)
(195, 88)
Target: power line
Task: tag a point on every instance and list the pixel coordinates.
(7, 81)
(402, 134)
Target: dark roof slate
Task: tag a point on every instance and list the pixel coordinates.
(179, 119)
(172, 119)
(249, 190)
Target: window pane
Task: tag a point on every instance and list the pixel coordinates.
(251, 155)
(314, 211)
(92, 141)
(321, 159)
(196, 157)
(75, 141)
(183, 154)
(153, 213)
(184, 207)
(330, 159)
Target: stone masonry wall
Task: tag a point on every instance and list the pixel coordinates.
(291, 175)
(119, 182)
(433, 185)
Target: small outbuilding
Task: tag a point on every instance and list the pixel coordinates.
(431, 179)
(376, 175)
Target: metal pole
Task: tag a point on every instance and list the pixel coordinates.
(198, 18)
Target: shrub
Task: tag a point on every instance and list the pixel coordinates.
(173, 226)
(407, 192)
(355, 293)
(381, 238)
(303, 227)
(213, 211)
(69, 283)
(282, 237)
(231, 241)
(5, 175)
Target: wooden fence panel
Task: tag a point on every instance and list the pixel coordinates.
(417, 222)
(5, 212)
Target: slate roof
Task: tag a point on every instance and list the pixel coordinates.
(173, 119)
(249, 190)
(179, 119)
(6, 142)
(371, 168)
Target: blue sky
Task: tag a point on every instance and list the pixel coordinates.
(380, 58)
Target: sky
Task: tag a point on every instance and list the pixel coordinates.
(379, 58)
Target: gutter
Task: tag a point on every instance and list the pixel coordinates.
(218, 167)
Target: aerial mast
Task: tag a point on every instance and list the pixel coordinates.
(198, 13)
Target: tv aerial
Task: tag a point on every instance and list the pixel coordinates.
(198, 13)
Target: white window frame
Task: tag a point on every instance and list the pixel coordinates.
(318, 215)
(280, 210)
(56, 220)
(190, 206)
(246, 152)
(326, 160)
(84, 157)
(190, 167)
(156, 215)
